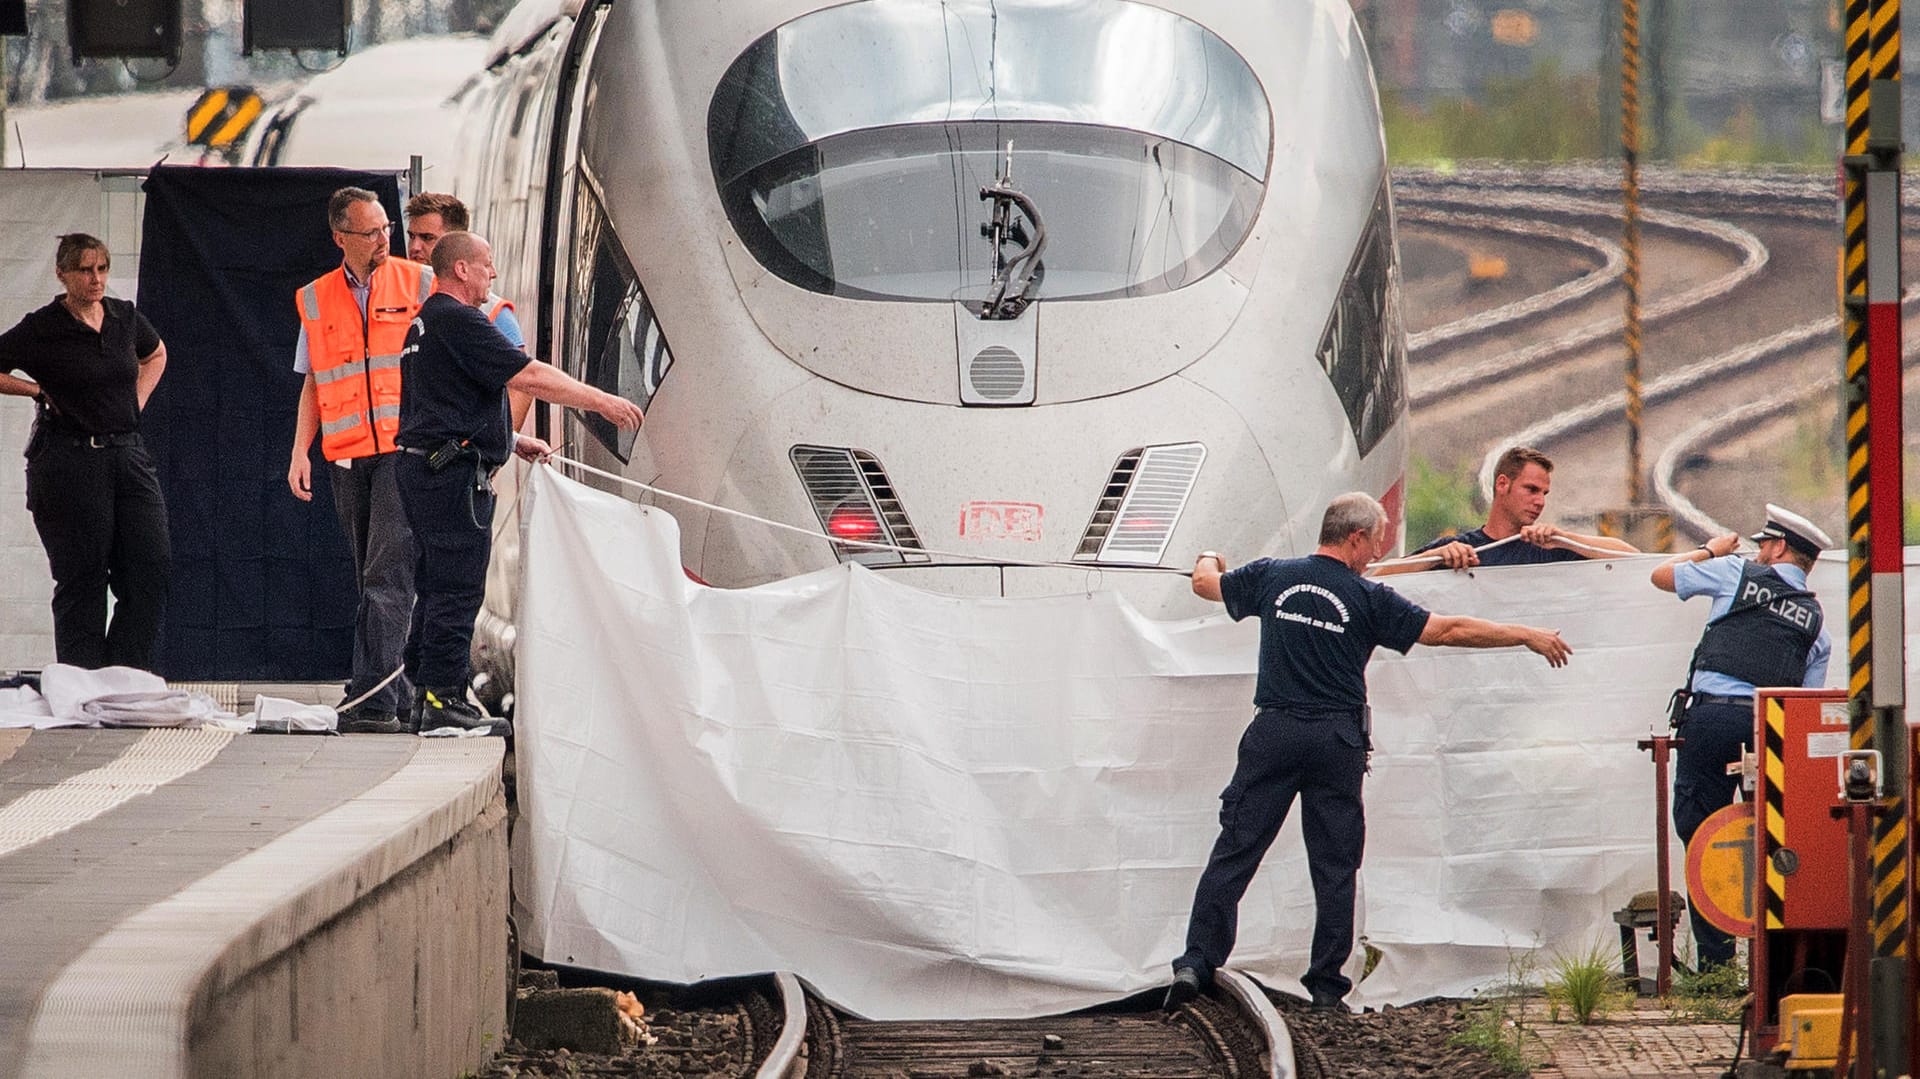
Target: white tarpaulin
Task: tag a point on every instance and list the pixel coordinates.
(932, 806)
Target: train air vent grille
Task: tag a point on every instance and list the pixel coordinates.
(1143, 500)
(855, 501)
(997, 374)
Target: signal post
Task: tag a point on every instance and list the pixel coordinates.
(1876, 630)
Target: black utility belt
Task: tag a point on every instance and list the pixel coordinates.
(90, 441)
(1715, 698)
(448, 452)
(1358, 715)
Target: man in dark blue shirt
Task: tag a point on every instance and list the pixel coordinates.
(1320, 621)
(455, 372)
(1522, 478)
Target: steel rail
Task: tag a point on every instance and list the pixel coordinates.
(1613, 263)
(1754, 258)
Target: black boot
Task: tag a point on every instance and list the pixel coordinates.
(448, 706)
(361, 719)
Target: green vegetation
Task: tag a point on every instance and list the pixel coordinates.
(1540, 116)
(1491, 1031)
(1547, 116)
(1585, 985)
(1440, 501)
(1708, 996)
(1740, 142)
(1492, 1020)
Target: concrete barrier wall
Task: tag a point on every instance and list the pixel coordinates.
(411, 981)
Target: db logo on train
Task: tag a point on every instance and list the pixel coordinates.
(1720, 869)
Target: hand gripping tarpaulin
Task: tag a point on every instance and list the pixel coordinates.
(934, 806)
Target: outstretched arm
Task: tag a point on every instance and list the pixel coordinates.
(1455, 555)
(1461, 631)
(1544, 535)
(1717, 547)
(549, 383)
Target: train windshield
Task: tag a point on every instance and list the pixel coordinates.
(850, 146)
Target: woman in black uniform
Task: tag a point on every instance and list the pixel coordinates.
(93, 361)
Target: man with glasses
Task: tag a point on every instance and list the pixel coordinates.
(353, 325)
(1765, 629)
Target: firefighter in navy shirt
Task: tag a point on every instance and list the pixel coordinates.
(1765, 629)
(454, 432)
(1522, 479)
(1320, 621)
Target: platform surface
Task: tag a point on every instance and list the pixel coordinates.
(98, 826)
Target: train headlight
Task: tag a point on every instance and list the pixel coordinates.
(855, 502)
(855, 521)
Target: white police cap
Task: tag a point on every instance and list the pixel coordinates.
(1801, 534)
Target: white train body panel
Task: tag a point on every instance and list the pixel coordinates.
(1220, 267)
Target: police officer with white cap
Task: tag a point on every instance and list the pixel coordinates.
(1765, 629)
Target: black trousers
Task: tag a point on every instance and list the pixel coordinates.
(450, 568)
(367, 498)
(1716, 735)
(1322, 761)
(103, 521)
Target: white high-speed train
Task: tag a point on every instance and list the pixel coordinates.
(1094, 282)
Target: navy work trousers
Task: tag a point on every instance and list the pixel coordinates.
(1323, 761)
(367, 498)
(450, 567)
(1715, 735)
(103, 521)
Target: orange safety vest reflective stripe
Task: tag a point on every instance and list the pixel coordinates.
(356, 359)
(494, 304)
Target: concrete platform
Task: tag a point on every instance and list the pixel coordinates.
(198, 903)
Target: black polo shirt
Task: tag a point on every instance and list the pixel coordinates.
(90, 375)
(1319, 625)
(454, 372)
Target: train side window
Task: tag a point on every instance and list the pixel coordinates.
(1363, 350)
(614, 339)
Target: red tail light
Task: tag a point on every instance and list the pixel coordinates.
(852, 521)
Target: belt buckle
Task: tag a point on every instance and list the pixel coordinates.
(99, 442)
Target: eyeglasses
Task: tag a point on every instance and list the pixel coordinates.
(373, 233)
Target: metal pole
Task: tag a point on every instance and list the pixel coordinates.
(1660, 745)
(1630, 238)
(1876, 623)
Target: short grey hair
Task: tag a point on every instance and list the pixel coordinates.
(1355, 511)
(342, 201)
(455, 247)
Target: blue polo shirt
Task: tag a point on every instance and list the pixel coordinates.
(1319, 625)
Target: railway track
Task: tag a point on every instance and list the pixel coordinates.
(1737, 346)
(1234, 1032)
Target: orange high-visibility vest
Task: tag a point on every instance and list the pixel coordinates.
(494, 304)
(356, 359)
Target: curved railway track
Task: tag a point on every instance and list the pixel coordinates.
(1737, 345)
(1234, 1031)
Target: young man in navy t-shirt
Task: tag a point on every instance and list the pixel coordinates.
(1522, 479)
(1320, 621)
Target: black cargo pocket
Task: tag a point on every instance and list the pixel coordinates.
(1230, 809)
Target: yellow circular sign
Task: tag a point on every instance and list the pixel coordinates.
(1720, 869)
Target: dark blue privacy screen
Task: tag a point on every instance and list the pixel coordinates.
(263, 583)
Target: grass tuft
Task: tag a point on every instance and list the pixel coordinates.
(1585, 985)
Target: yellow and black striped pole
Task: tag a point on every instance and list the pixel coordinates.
(1876, 631)
(1630, 230)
